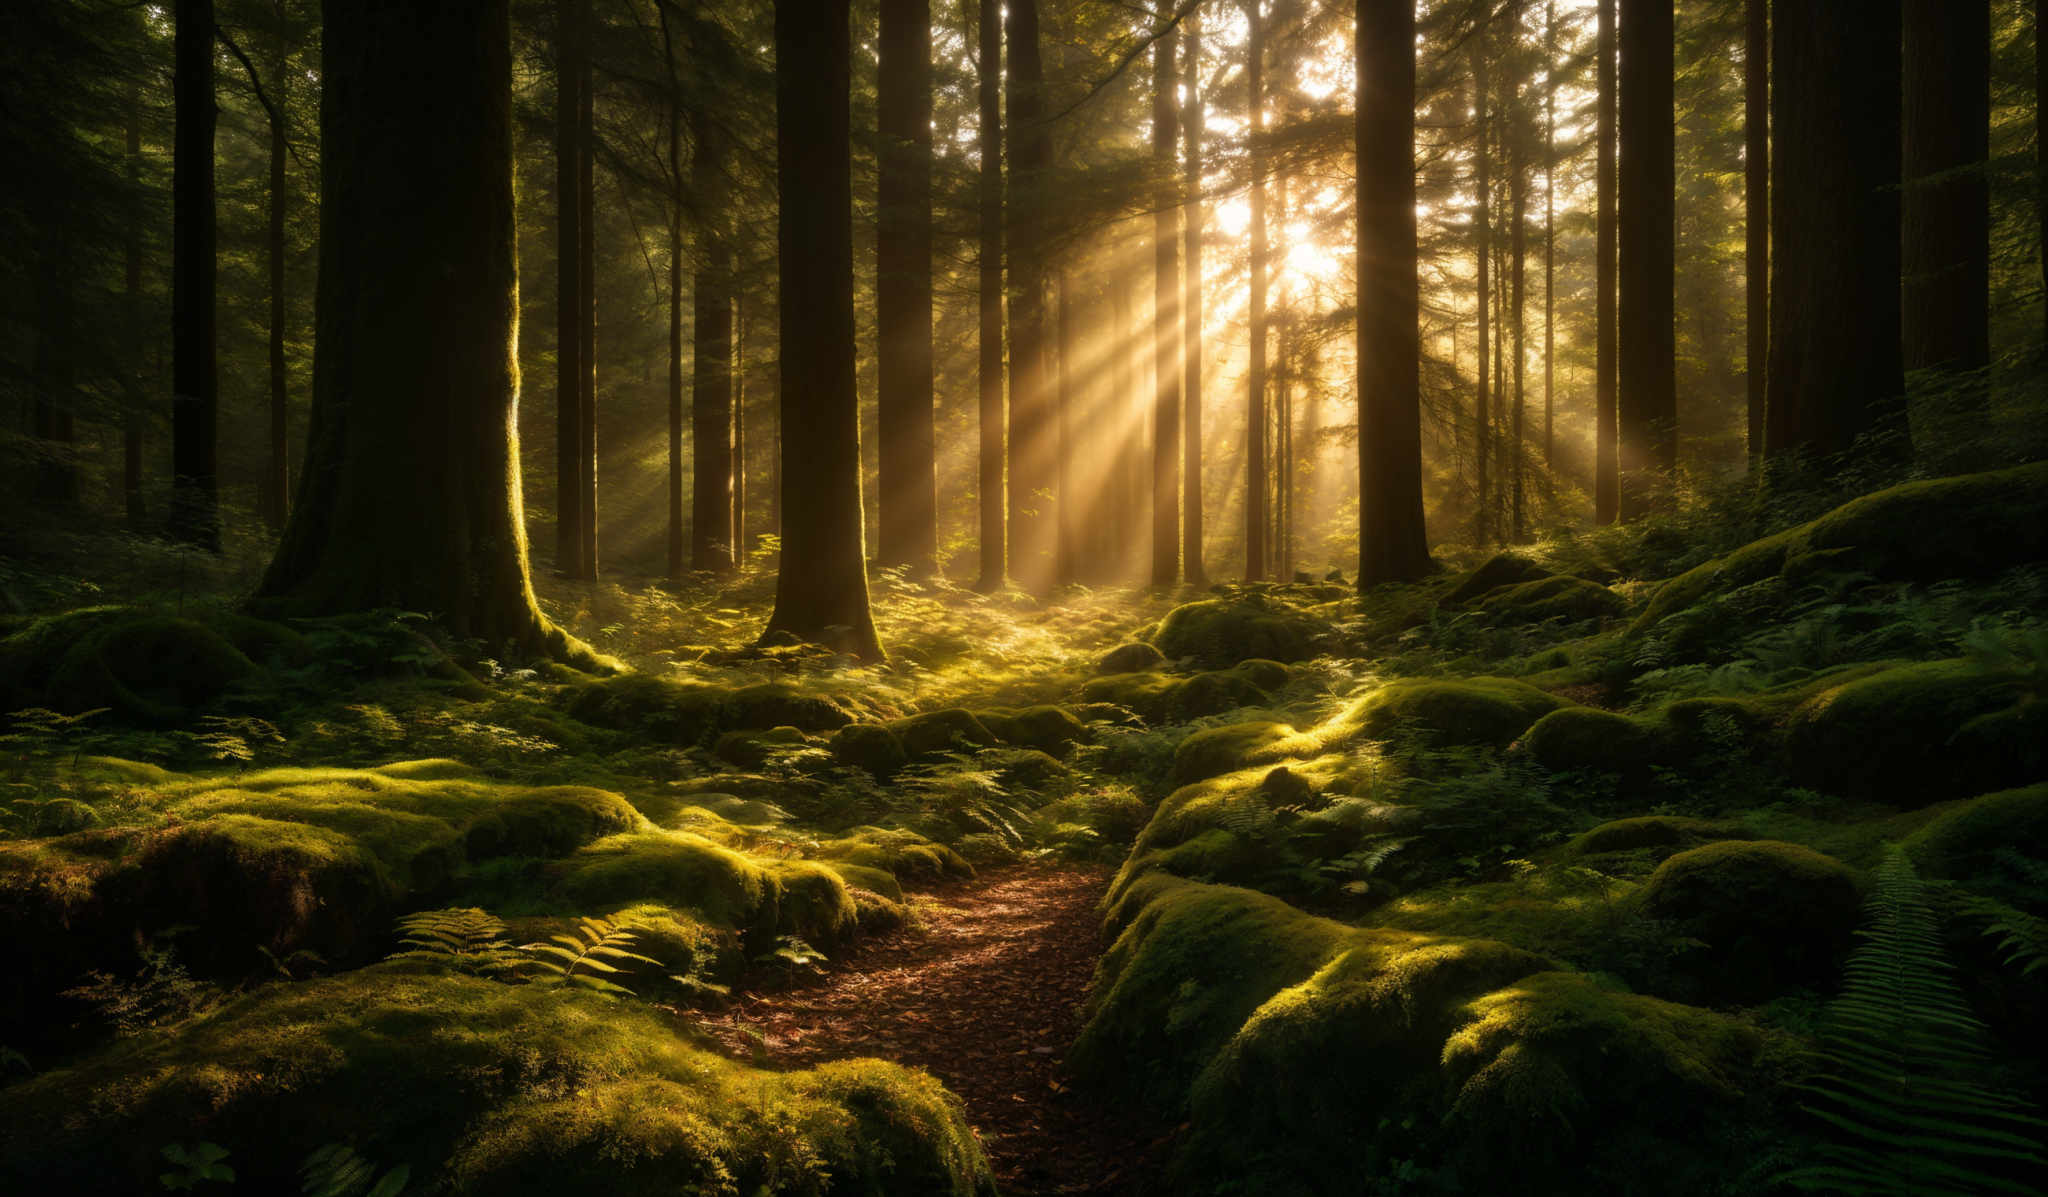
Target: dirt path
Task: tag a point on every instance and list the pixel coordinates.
(986, 997)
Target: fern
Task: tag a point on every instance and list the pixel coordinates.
(1903, 1081)
(2021, 936)
(337, 1171)
(586, 958)
(468, 938)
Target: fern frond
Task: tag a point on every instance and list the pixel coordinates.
(578, 959)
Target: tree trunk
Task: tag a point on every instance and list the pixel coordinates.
(1393, 545)
(711, 548)
(411, 494)
(1191, 316)
(821, 590)
(1031, 446)
(1836, 367)
(571, 18)
(739, 425)
(903, 291)
(1607, 348)
(677, 200)
(989, 265)
(131, 316)
(1067, 555)
(1756, 190)
(195, 396)
(1518, 254)
(1647, 415)
(1255, 381)
(1549, 232)
(1946, 204)
(1482, 418)
(1166, 292)
(586, 286)
(276, 502)
(55, 483)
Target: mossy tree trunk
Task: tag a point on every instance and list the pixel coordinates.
(1647, 414)
(1392, 543)
(1166, 292)
(411, 496)
(821, 592)
(908, 529)
(195, 387)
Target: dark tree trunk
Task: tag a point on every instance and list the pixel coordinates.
(2041, 160)
(55, 483)
(903, 291)
(586, 286)
(1647, 417)
(821, 590)
(1946, 205)
(411, 495)
(1835, 362)
(195, 398)
(1031, 433)
(677, 200)
(1549, 232)
(1166, 355)
(1756, 188)
(739, 425)
(711, 547)
(989, 265)
(1067, 555)
(1607, 349)
(1255, 550)
(1393, 545)
(277, 474)
(1191, 317)
(1518, 257)
(571, 17)
(131, 315)
(1482, 416)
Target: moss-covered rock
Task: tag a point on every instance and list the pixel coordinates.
(869, 746)
(549, 822)
(1649, 833)
(1561, 597)
(1049, 729)
(1468, 711)
(751, 749)
(759, 898)
(1500, 570)
(1984, 840)
(1771, 914)
(672, 712)
(1227, 749)
(151, 668)
(1165, 698)
(942, 731)
(478, 1086)
(775, 704)
(1029, 771)
(1917, 734)
(1217, 633)
(1592, 739)
(905, 854)
(1130, 658)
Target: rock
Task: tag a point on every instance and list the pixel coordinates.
(1772, 915)
(1501, 569)
(1218, 633)
(1130, 658)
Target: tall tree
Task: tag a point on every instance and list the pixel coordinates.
(571, 20)
(1255, 550)
(195, 394)
(711, 547)
(1836, 366)
(131, 319)
(411, 497)
(586, 295)
(989, 267)
(739, 423)
(1516, 131)
(273, 494)
(55, 367)
(1606, 433)
(903, 290)
(1946, 204)
(678, 200)
(1756, 198)
(1549, 231)
(821, 589)
(1191, 312)
(1166, 291)
(1647, 415)
(1482, 419)
(1031, 448)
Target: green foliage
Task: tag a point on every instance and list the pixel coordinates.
(468, 939)
(235, 739)
(1905, 1080)
(195, 1165)
(335, 1170)
(586, 958)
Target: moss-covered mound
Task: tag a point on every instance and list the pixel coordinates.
(478, 1086)
(762, 899)
(1166, 698)
(1477, 711)
(1217, 633)
(869, 746)
(1497, 571)
(951, 730)
(1049, 729)
(1974, 525)
(1561, 597)
(1592, 739)
(1218, 750)
(1649, 833)
(1917, 734)
(1130, 658)
(1997, 842)
(688, 713)
(145, 667)
(1771, 914)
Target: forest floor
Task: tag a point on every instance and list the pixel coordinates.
(985, 992)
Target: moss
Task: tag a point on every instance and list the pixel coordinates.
(480, 1086)
(1221, 632)
(1497, 571)
(1593, 739)
(869, 746)
(1562, 597)
(1974, 525)
(1771, 914)
(1108, 817)
(1217, 750)
(1650, 832)
(941, 731)
(751, 749)
(859, 877)
(1130, 658)
(151, 668)
(415, 853)
(1977, 841)
(775, 704)
(1050, 729)
(1476, 711)
(905, 854)
(759, 899)
(640, 703)
(549, 822)
(1029, 771)
(1920, 733)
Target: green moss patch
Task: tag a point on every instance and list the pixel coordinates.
(1218, 633)
(1562, 597)
(1470, 711)
(1920, 733)
(1771, 914)
(942, 731)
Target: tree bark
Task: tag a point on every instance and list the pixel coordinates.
(1067, 555)
(1255, 549)
(277, 473)
(1482, 419)
(195, 395)
(1393, 545)
(1166, 348)
(131, 316)
(1836, 362)
(586, 263)
(411, 494)
(1031, 448)
(1946, 204)
(711, 548)
(1756, 189)
(1518, 255)
(989, 265)
(739, 425)
(821, 589)
(1191, 316)
(1549, 232)
(677, 199)
(1647, 414)
(1607, 348)
(903, 291)
(571, 18)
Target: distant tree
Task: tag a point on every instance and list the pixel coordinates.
(1256, 482)
(678, 201)
(1191, 315)
(1550, 70)
(411, 495)
(711, 545)
(1482, 243)
(1516, 125)
(821, 590)
(1946, 204)
(989, 269)
(1031, 448)
(1647, 414)
(1166, 295)
(1606, 433)
(195, 386)
(1836, 367)
(131, 320)
(571, 23)
(1756, 196)
(1393, 545)
(903, 290)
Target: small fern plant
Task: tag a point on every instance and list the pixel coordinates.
(465, 938)
(587, 958)
(335, 1170)
(1905, 1080)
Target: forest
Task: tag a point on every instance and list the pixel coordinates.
(879, 597)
